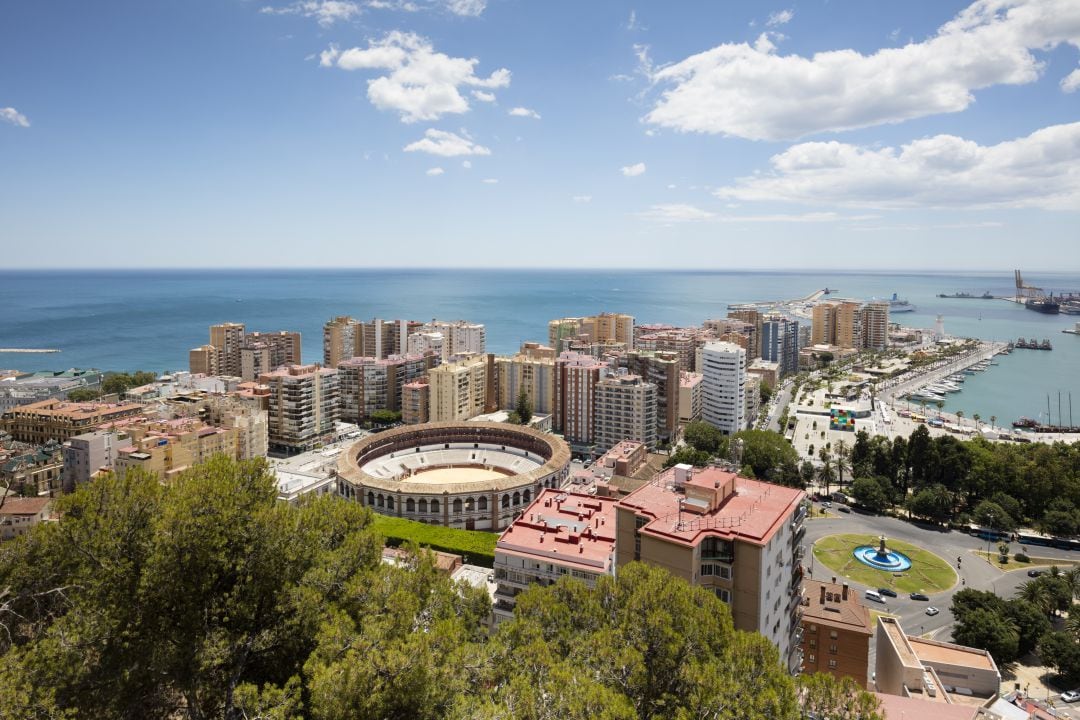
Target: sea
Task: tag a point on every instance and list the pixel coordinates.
(149, 319)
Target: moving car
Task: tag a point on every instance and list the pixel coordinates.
(873, 595)
(932, 610)
(887, 591)
(1070, 695)
(1036, 573)
(918, 596)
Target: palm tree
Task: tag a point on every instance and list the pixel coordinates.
(1038, 594)
(843, 453)
(960, 418)
(993, 421)
(826, 475)
(1072, 576)
(976, 417)
(1072, 625)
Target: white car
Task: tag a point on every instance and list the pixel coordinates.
(1070, 696)
(932, 610)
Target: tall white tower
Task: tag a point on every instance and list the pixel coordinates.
(723, 386)
(939, 328)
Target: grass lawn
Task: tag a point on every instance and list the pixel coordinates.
(928, 573)
(1013, 565)
(478, 546)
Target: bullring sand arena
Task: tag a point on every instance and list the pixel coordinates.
(470, 475)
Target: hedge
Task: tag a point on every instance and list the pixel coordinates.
(479, 546)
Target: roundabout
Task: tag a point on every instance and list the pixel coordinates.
(877, 563)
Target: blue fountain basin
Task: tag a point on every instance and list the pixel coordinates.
(891, 561)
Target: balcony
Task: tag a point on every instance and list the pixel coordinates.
(799, 532)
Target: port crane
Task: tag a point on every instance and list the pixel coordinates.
(1023, 290)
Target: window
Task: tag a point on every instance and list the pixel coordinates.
(517, 498)
(423, 505)
(813, 644)
(469, 504)
(832, 664)
(832, 634)
(811, 658)
(506, 501)
(723, 571)
(457, 505)
(832, 648)
(813, 628)
(410, 505)
(706, 570)
(723, 594)
(434, 506)
(481, 504)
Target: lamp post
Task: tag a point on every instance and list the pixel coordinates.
(989, 534)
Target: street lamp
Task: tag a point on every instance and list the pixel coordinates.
(989, 534)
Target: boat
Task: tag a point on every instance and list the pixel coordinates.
(1046, 305)
(1024, 422)
(967, 296)
(1071, 307)
(897, 305)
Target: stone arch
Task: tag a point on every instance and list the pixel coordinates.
(457, 505)
(410, 506)
(481, 504)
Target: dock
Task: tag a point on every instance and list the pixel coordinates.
(29, 350)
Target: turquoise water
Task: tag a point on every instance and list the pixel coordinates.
(149, 319)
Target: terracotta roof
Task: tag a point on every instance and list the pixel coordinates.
(834, 610)
(24, 506)
(894, 707)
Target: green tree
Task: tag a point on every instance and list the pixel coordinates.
(1030, 622)
(705, 437)
(765, 392)
(990, 514)
(523, 408)
(970, 599)
(870, 493)
(934, 502)
(1061, 651)
(385, 417)
(83, 394)
(823, 696)
(768, 453)
(990, 631)
(688, 456)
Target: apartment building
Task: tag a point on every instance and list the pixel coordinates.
(460, 337)
(303, 407)
(575, 397)
(559, 534)
(203, 360)
(20, 514)
(836, 631)
(723, 386)
(383, 338)
(690, 403)
(661, 368)
(753, 320)
(605, 328)
(459, 390)
(227, 339)
(370, 384)
(168, 447)
(233, 352)
(341, 337)
(246, 413)
(780, 343)
(851, 325)
(532, 371)
(60, 420)
(36, 470)
(875, 325)
(625, 410)
(684, 342)
(739, 538)
(415, 402)
(87, 454)
(263, 352)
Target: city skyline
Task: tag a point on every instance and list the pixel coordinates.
(465, 133)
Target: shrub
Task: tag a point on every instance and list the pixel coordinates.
(1021, 557)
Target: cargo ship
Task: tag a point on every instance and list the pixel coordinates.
(1046, 305)
(967, 296)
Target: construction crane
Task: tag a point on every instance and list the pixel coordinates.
(1023, 290)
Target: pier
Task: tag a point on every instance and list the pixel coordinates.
(29, 350)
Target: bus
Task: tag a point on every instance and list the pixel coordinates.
(918, 418)
(987, 533)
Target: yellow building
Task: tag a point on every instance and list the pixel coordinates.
(531, 370)
(167, 447)
(605, 328)
(459, 390)
(59, 420)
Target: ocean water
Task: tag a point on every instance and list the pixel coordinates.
(129, 320)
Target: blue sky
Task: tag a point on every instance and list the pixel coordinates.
(824, 134)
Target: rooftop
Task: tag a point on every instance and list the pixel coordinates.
(895, 707)
(828, 603)
(948, 653)
(24, 506)
(689, 504)
(572, 529)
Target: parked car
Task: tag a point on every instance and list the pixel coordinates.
(1070, 695)
(873, 595)
(1036, 573)
(918, 596)
(843, 508)
(932, 610)
(887, 591)
(826, 504)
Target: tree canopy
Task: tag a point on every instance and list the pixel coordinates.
(207, 598)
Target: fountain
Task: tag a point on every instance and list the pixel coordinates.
(881, 558)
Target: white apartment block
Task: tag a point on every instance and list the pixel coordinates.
(723, 386)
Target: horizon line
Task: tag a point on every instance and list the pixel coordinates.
(524, 268)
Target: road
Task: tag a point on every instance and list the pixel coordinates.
(949, 545)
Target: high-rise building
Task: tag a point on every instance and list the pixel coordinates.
(341, 340)
(605, 328)
(370, 384)
(532, 371)
(460, 338)
(227, 338)
(458, 390)
(304, 406)
(203, 360)
(723, 387)
(875, 325)
(263, 352)
(625, 410)
(662, 370)
(575, 397)
(684, 342)
(849, 328)
(689, 396)
(383, 338)
(741, 539)
(752, 318)
(415, 402)
(780, 343)
(823, 327)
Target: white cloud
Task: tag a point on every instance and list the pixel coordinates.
(582, 198)
(752, 92)
(13, 116)
(446, 144)
(467, 164)
(403, 5)
(435, 171)
(421, 84)
(1041, 170)
(631, 24)
(525, 112)
(682, 212)
(490, 181)
(466, 8)
(326, 12)
(633, 170)
(1071, 82)
(483, 96)
(781, 17)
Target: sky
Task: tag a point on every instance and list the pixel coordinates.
(811, 134)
